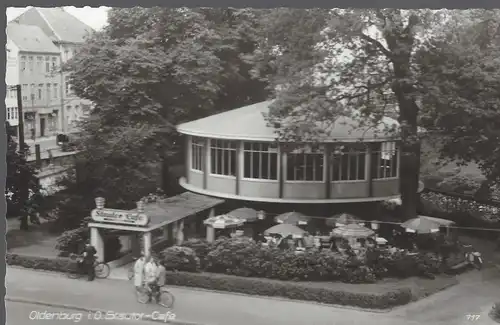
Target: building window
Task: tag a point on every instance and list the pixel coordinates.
(55, 90)
(48, 92)
(23, 63)
(30, 63)
(40, 88)
(32, 92)
(54, 62)
(260, 161)
(67, 85)
(39, 61)
(305, 164)
(13, 93)
(348, 163)
(223, 157)
(25, 92)
(197, 154)
(47, 64)
(8, 113)
(385, 160)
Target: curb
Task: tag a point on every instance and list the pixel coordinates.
(147, 318)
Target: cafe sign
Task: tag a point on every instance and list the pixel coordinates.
(120, 217)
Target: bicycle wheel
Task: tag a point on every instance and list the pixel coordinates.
(101, 270)
(142, 295)
(166, 298)
(131, 273)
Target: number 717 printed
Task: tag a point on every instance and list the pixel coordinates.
(472, 316)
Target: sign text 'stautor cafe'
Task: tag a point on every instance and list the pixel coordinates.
(101, 214)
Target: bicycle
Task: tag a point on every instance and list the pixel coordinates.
(162, 296)
(101, 269)
(473, 257)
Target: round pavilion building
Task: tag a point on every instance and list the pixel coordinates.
(235, 155)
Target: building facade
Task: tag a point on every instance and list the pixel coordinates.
(67, 33)
(234, 155)
(31, 59)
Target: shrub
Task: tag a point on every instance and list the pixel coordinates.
(178, 258)
(201, 249)
(59, 264)
(291, 290)
(73, 241)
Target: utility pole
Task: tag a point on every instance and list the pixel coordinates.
(63, 94)
(20, 117)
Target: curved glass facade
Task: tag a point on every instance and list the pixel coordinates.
(267, 171)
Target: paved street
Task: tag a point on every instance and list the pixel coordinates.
(474, 296)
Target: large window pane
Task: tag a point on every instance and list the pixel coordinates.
(223, 157)
(306, 164)
(197, 154)
(260, 161)
(348, 162)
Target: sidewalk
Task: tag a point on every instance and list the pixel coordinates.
(192, 306)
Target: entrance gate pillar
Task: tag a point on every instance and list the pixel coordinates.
(210, 234)
(146, 237)
(97, 241)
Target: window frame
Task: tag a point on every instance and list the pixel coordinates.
(199, 144)
(349, 152)
(259, 150)
(303, 150)
(220, 145)
(390, 147)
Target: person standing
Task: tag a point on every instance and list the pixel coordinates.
(150, 274)
(89, 256)
(139, 271)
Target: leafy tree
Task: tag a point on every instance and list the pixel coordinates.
(462, 71)
(22, 190)
(148, 70)
(342, 62)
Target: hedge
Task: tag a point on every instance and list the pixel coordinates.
(250, 286)
(290, 290)
(57, 264)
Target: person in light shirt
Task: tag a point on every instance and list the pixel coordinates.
(139, 271)
(150, 272)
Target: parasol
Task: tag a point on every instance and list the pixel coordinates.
(285, 230)
(246, 214)
(424, 225)
(292, 218)
(223, 221)
(353, 231)
(342, 219)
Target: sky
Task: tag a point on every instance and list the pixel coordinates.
(92, 16)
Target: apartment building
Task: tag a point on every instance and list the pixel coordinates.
(67, 33)
(32, 59)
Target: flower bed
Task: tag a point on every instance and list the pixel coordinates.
(464, 212)
(245, 258)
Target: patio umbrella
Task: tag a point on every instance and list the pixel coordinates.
(353, 231)
(292, 218)
(246, 214)
(422, 225)
(224, 221)
(285, 230)
(342, 219)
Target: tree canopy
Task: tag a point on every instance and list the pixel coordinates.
(372, 63)
(22, 190)
(148, 70)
